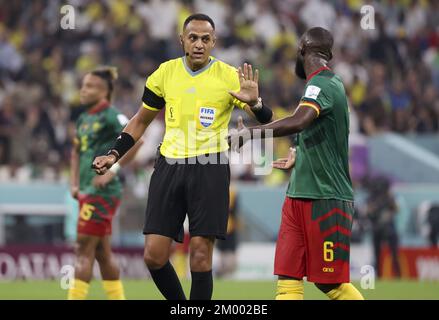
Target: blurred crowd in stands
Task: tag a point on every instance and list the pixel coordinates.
(391, 72)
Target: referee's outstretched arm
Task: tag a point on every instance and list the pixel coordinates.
(132, 132)
(139, 122)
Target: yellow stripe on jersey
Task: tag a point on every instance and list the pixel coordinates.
(198, 106)
(312, 105)
(149, 107)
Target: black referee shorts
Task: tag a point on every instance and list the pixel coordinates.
(199, 190)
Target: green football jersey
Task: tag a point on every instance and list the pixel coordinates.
(96, 133)
(322, 165)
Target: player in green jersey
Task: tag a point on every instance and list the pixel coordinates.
(314, 235)
(98, 196)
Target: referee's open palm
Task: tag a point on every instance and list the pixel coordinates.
(248, 81)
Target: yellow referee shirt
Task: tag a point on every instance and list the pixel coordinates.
(198, 105)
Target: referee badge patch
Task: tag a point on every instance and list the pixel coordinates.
(206, 116)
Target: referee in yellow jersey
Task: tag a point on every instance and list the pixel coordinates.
(191, 177)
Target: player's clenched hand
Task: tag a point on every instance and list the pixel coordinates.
(102, 163)
(249, 91)
(102, 180)
(238, 137)
(286, 163)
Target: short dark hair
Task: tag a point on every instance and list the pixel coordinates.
(109, 75)
(198, 16)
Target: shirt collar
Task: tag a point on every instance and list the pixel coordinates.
(194, 73)
(316, 72)
(99, 107)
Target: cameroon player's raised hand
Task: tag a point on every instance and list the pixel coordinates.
(249, 91)
(286, 163)
(102, 163)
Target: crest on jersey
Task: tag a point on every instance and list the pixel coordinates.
(207, 116)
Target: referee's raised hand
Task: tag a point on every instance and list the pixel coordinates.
(249, 91)
(102, 163)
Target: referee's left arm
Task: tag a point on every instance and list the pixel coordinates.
(126, 140)
(152, 103)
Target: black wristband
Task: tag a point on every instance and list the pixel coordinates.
(123, 143)
(264, 114)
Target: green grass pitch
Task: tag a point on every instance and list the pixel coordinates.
(223, 290)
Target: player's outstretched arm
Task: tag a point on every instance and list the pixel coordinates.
(295, 123)
(132, 133)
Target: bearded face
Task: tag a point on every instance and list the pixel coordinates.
(300, 66)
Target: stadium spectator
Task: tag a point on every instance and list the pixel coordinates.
(391, 73)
